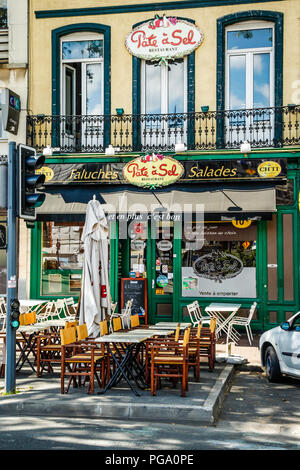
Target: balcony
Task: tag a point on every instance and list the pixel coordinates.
(200, 131)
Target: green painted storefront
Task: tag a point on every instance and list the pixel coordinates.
(277, 254)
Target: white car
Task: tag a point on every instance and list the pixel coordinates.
(280, 349)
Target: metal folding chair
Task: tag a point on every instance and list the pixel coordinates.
(243, 321)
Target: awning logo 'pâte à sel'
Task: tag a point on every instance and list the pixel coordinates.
(269, 169)
(153, 171)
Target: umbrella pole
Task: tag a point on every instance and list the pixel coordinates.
(78, 306)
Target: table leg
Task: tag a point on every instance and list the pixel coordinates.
(120, 369)
(24, 353)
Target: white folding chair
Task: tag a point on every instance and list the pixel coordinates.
(201, 318)
(124, 315)
(2, 314)
(195, 314)
(191, 308)
(47, 312)
(243, 321)
(60, 309)
(70, 309)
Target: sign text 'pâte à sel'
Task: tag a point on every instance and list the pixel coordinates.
(153, 171)
(163, 38)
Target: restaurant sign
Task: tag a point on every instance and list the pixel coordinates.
(163, 38)
(153, 171)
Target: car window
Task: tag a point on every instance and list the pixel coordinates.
(296, 324)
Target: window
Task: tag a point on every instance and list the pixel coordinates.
(224, 265)
(250, 81)
(62, 258)
(82, 90)
(3, 14)
(164, 91)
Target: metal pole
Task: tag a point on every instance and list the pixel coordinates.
(10, 369)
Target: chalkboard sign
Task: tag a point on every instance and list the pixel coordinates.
(136, 289)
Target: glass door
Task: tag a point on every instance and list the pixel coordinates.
(161, 272)
(163, 102)
(250, 85)
(82, 92)
(69, 105)
(92, 105)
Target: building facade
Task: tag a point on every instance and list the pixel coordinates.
(13, 77)
(182, 118)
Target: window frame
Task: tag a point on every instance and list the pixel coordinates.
(249, 54)
(164, 80)
(254, 15)
(65, 63)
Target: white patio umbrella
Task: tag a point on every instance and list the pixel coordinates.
(95, 292)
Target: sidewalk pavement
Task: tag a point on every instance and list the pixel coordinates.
(202, 404)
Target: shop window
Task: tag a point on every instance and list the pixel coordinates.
(62, 258)
(164, 269)
(224, 264)
(285, 193)
(138, 249)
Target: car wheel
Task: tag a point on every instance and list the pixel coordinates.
(272, 365)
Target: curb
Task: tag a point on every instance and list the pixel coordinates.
(183, 413)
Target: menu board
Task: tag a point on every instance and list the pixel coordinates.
(136, 289)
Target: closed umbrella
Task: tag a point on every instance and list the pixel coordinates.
(95, 292)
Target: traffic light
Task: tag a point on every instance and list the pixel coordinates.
(14, 313)
(29, 182)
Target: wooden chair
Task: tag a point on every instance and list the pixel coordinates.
(117, 324)
(28, 318)
(135, 321)
(172, 366)
(48, 352)
(163, 343)
(69, 324)
(103, 328)
(83, 361)
(194, 352)
(207, 343)
(125, 316)
(48, 349)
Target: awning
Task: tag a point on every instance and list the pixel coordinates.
(250, 200)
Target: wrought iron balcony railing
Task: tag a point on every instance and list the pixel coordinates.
(261, 127)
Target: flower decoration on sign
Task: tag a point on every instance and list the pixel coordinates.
(152, 157)
(163, 22)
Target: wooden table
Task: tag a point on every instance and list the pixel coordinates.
(169, 325)
(124, 348)
(29, 334)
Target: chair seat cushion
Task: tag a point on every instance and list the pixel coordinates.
(51, 347)
(84, 358)
(168, 359)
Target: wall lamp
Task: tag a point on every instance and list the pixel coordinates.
(48, 151)
(109, 150)
(245, 148)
